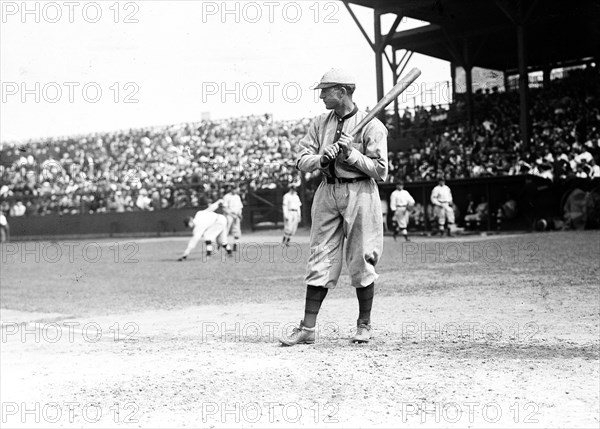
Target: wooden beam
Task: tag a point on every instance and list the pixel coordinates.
(392, 31)
(405, 64)
(360, 27)
(504, 7)
(378, 59)
(392, 65)
(406, 51)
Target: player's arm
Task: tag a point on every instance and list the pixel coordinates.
(411, 201)
(309, 158)
(214, 206)
(374, 162)
(434, 197)
(284, 206)
(393, 201)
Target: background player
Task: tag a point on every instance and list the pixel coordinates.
(401, 203)
(291, 214)
(476, 213)
(4, 228)
(208, 225)
(232, 208)
(441, 198)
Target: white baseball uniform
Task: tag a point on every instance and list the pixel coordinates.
(400, 203)
(441, 198)
(209, 226)
(291, 213)
(346, 208)
(233, 206)
(3, 228)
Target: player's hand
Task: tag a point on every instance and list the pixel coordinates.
(329, 154)
(332, 151)
(345, 144)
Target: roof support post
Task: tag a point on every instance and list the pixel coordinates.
(468, 66)
(453, 76)
(519, 18)
(395, 81)
(379, 59)
(523, 79)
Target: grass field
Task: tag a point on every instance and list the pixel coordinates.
(472, 331)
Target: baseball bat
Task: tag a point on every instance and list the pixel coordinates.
(398, 89)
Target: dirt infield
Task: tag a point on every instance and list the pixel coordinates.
(469, 332)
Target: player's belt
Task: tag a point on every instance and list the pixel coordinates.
(331, 180)
(293, 210)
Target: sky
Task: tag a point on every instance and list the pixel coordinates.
(81, 67)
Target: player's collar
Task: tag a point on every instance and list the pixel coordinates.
(349, 115)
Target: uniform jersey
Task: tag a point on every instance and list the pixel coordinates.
(232, 203)
(441, 195)
(369, 159)
(206, 217)
(401, 199)
(291, 202)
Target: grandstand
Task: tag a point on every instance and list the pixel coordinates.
(479, 135)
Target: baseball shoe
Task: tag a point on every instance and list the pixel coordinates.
(300, 335)
(235, 247)
(406, 238)
(183, 258)
(229, 250)
(363, 332)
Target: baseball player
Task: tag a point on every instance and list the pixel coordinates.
(476, 213)
(4, 228)
(441, 198)
(208, 225)
(232, 208)
(291, 214)
(346, 206)
(401, 202)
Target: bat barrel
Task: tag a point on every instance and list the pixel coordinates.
(398, 89)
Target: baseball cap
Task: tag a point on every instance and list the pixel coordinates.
(336, 77)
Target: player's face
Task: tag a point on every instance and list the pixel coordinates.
(332, 97)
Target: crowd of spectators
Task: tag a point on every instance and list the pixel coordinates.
(191, 164)
(149, 168)
(565, 135)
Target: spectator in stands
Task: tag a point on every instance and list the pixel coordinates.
(18, 209)
(187, 163)
(143, 202)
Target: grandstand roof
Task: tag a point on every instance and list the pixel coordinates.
(558, 31)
